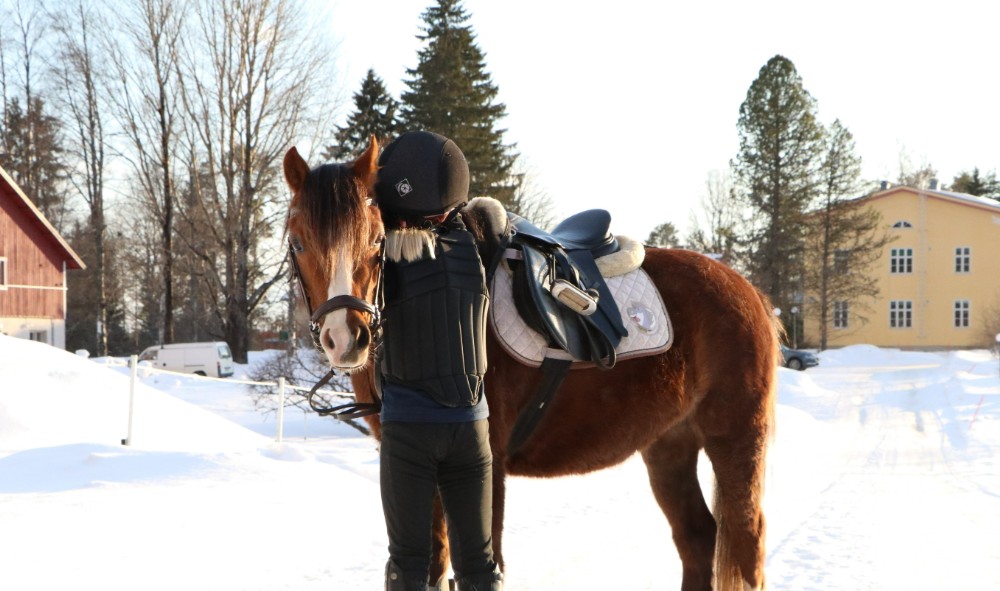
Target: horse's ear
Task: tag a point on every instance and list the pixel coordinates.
(366, 166)
(296, 170)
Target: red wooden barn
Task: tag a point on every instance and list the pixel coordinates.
(34, 261)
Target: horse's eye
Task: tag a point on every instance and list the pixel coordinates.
(296, 245)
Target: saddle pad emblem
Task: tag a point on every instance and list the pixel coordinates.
(642, 317)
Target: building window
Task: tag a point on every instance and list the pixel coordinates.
(42, 336)
(841, 258)
(902, 224)
(3, 273)
(900, 314)
(963, 259)
(901, 260)
(840, 314)
(961, 313)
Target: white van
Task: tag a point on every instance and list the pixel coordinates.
(206, 359)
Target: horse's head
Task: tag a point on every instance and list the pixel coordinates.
(335, 233)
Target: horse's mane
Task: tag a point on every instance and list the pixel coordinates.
(332, 207)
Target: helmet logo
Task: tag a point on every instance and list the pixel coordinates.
(403, 188)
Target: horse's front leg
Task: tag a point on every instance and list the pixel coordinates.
(440, 554)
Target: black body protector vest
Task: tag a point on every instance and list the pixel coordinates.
(434, 335)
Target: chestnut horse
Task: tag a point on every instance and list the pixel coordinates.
(714, 389)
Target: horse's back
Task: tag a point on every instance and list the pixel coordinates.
(711, 304)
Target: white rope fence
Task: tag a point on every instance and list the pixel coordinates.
(282, 385)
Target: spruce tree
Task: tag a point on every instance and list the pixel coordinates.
(375, 113)
(451, 93)
(975, 183)
(32, 153)
(664, 236)
(776, 176)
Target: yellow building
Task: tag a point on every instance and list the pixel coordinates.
(938, 280)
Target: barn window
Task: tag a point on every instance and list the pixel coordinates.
(902, 224)
(3, 273)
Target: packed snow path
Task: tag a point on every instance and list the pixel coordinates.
(900, 501)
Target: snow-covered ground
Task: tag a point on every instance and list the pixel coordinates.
(883, 476)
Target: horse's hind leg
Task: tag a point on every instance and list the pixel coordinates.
(738, 462)
(672, 463)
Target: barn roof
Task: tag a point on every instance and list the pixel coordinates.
(73, 260)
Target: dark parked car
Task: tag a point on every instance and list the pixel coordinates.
(797, 358)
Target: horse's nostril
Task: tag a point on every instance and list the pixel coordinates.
(364, 338)
(328, 342)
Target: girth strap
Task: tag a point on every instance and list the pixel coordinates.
(553, 373)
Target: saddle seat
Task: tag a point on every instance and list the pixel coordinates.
(587, 230)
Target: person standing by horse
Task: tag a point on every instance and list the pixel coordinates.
(435, 434)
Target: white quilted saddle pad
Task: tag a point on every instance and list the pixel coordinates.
(642, 309)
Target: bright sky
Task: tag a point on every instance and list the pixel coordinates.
(628, 105)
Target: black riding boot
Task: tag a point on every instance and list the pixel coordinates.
(395, 580)
(485, 582)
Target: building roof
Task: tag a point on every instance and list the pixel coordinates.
(73, 260)
(961, 198)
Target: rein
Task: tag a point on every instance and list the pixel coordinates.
(350, 410)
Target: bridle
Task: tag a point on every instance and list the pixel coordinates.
(373, 309)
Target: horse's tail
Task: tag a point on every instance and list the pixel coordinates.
(728, 548)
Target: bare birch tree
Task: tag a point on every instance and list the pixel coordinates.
(714, 228)
(252, 73)
(145, 59)
(78, 67)
(845, 235)
(30, 146)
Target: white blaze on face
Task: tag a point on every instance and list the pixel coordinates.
(335, 327)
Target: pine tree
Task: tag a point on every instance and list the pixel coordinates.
(975, 183)
(32, 153)
(375, 113)
(776, 176)
(846, 236)
(664, 236)
(451, 93)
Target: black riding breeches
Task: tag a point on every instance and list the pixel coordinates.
(418, 459)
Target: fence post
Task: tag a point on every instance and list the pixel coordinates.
(281, 408)
(133, 363)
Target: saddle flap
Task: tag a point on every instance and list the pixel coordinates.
(591, 337)
(551, 318)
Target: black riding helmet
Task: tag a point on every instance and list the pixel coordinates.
(421, 174)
